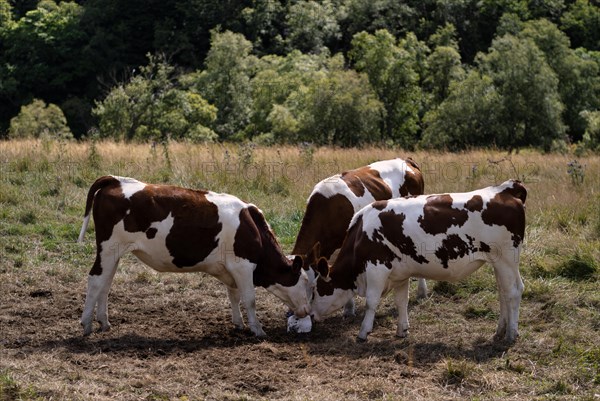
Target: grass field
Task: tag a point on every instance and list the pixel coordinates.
(172, 337)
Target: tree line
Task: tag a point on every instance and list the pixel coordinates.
(434, 74)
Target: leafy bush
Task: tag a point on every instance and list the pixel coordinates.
(38, 119)
(152, 107)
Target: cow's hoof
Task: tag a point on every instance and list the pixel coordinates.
(349, 313)
(87, 328)
(258, 331)
(361, 340)
(104, 327)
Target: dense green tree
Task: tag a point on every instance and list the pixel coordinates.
(6, 18)
(260, 61)
(444, 64)
(582, 23)
(391, 72)
(469, 117)
(338, 108)
(578, 76)
(42, 56)
(37, 120)
(226, 81)
(45, 46)
(396, 17)
(277, 78)
(263, 25)
(591, 138)
(312, 25)
(151, 106)
(531, 106)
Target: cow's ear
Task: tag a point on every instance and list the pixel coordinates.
(323, 268)
(298, 263)
(314, 253)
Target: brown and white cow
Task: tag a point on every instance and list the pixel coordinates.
(173, 229)
(441, 237)
(336, 199)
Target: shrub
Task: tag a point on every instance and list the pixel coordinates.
(38, 119)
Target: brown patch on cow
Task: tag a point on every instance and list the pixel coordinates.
(475, 204)
(255, 242)
(379, 205)
(413, 180)
(454, 247)
(97, 267)
(439, 215)
(193, 235)
(366, 179)
(195, 220)
(356, 251)
(392, 228)
(506, 209)
(483, 247)
(109, 207)
(330, 232)
(151, 232)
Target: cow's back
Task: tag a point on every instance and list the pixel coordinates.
(336, 199)
(437, 236)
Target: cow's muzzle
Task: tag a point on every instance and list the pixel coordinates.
(302, 311)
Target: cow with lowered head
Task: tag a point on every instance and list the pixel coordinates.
(336, 199)
(441, 237)
(173, 229)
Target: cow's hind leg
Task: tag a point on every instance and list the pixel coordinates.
(510, 290)
(234, 300)
(401, 301)
(99, 282)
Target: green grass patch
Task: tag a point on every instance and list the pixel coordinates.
(579, 266)
(11, 390)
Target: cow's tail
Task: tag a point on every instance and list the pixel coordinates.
(409, 160)
(96, 186)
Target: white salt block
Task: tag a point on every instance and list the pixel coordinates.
(299, 324)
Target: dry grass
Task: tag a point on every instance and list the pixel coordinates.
(172, 336)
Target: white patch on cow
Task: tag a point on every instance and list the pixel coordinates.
(153, 251)
(392, 172)
(130, 186)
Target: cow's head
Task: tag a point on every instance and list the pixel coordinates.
(308, 276)
(326, 299)
(297, 296)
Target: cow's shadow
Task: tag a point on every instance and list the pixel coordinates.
(405, 351)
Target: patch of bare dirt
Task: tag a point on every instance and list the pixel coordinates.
(174, 339)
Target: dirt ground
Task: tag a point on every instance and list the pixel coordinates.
(172, 339)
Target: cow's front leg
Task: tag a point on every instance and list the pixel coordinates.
(376, 282)
(236, 314)
(401, 301)
(510, 290)
(243, 275)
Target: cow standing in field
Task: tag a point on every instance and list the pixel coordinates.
(173, 229)
(336, 199)
(441, 237)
